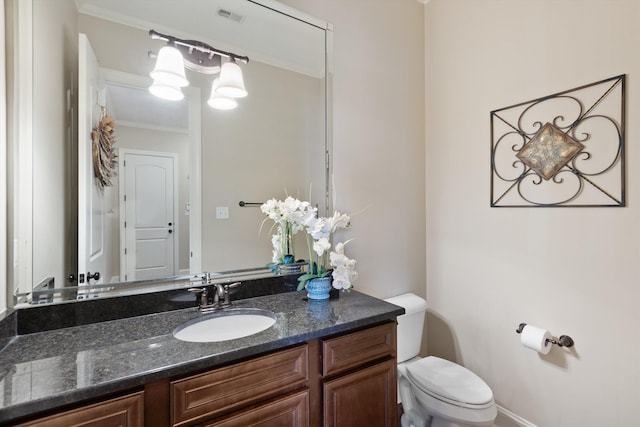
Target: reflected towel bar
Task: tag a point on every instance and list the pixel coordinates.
(244, 204)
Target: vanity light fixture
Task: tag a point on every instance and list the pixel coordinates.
(231, 83)
(169, 72)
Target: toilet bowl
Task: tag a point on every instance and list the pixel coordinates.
(436, 392)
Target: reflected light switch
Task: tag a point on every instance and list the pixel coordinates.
(222, 212)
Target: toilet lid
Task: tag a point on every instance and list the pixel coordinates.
(450, 382)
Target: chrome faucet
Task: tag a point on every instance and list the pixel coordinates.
(218, 295)
(221, 297)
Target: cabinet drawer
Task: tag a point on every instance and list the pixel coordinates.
(348, 351)
(124, 411)
(233, 387)
(290, 411)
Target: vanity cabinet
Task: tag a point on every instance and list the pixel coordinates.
(346, 380)
(126, 411)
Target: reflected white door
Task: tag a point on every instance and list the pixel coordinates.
(149, 214)
(91, 251)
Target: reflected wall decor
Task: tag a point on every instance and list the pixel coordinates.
(561, 150)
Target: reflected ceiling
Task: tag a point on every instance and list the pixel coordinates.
(285, 45)
(137, 107)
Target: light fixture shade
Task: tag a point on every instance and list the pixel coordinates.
(169, 69)
(218, 101)
(165, 91)
(231, 82)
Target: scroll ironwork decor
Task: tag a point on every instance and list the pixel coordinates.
(561, 150)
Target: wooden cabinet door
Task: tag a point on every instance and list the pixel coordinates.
(290, 411)
(126, 411)
(363, 398)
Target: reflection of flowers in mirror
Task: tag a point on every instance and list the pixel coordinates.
(292, 216)
(288, 216)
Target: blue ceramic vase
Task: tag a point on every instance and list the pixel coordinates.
(318, 289)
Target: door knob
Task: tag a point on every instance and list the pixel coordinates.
(94, 276)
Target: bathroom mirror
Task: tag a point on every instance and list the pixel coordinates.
(273, 144)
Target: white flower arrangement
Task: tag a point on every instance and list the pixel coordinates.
(295, 215)
(288, 216)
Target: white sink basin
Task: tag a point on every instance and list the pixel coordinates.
(225, 325)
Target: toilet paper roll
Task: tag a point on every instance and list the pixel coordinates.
(536, 339)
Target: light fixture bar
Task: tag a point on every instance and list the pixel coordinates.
(198, 56)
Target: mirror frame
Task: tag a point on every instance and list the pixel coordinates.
(3, 162)
(19, 267)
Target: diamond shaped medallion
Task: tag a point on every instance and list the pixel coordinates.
(549, 151)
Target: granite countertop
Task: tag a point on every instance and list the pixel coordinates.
(44, 370)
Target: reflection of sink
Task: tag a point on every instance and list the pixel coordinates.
(225, 325)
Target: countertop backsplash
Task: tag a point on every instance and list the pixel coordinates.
(40, 318)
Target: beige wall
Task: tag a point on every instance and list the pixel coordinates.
(573, 270)
(261, 150)
(55, 66)
(378, 137)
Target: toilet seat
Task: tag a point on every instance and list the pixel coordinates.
(450, 383)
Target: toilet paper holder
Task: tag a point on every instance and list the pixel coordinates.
(562, 341)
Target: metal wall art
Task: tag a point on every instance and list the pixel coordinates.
(561, 150)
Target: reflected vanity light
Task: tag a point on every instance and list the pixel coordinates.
(218, 101)
(169, 72)
(166, 91)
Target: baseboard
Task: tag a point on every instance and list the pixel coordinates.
(507, 418)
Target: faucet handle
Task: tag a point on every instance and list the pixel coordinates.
(233, 285)
(203, 295)
(227, 296)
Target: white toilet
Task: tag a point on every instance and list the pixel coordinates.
(435, 392)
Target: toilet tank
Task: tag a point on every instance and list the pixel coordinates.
(410, 324)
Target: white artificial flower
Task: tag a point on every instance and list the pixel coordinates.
(319, 228)
(308, 217)
(339, 220)
(321, 245)
(291, 216)
(301, 216)
(269, 206)
(277, 251)
(344, 268)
